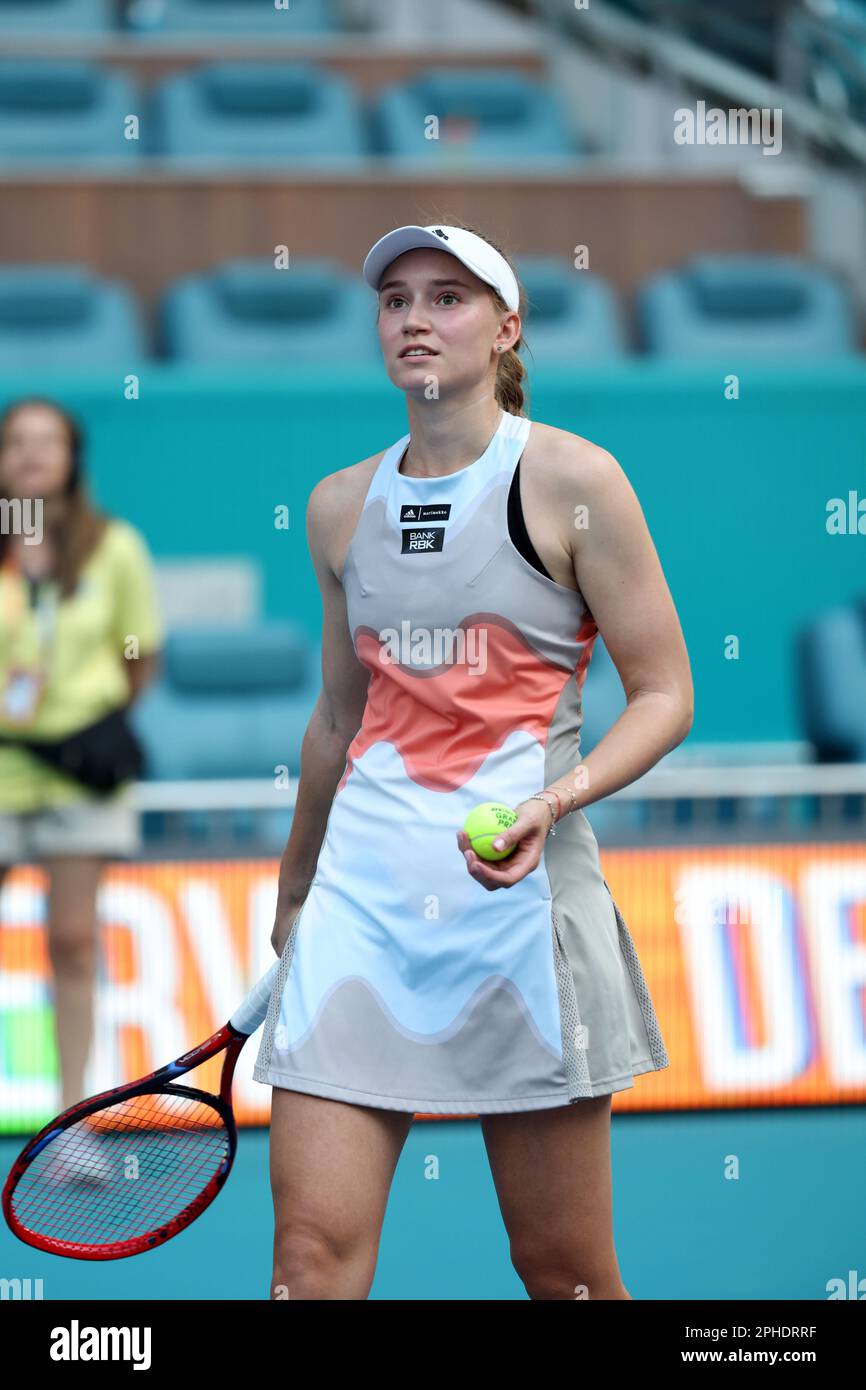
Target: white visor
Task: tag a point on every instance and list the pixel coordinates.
(473, 251)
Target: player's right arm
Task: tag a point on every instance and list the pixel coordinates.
(339, 709)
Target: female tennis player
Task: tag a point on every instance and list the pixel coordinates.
(462, 598)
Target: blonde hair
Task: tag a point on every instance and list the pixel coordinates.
(511, 386)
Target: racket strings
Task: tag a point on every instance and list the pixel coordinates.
(124, 1171)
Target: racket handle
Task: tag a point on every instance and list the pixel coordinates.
(248, 1015)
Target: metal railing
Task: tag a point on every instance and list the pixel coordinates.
(661, 43)
(669, 805)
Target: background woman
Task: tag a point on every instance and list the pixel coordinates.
(79, 636)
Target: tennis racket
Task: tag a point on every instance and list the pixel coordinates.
(126, 1170)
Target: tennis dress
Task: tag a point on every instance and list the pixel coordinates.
(404, 983)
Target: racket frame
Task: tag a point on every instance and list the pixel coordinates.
(229, 1040)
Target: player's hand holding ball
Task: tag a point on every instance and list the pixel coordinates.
(501, 846)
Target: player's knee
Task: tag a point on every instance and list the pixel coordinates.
(313, 1262)
(562, 1271)
(543, 1279)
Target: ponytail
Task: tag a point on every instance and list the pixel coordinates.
(510, 376)
(512, 386)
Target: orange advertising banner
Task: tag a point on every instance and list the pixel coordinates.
(755, 957)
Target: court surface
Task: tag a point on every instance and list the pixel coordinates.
(792, 1221)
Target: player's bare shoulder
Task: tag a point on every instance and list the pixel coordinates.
(563, 460)
(334, 508)
(570, 480)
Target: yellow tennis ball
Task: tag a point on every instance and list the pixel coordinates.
(484, 823)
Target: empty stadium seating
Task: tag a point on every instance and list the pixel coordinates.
(830, 672)
(257, 112)
(482, 114)
(761, 306)
(61, 111)
(231, 702)
(63, 316)
(829, 55)
(572, 313)
(55, 16)
(238, 17)
(247, 311)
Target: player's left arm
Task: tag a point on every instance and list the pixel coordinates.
(620, 576)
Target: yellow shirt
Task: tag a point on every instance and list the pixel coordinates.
(85, 661)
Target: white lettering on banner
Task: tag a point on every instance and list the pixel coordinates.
(768, 936)
(152, 1001)
(149, 1001)
(709, 898)
(830, 894)
(262, 907)
(210, 937)
(23, 905)
(222, 971)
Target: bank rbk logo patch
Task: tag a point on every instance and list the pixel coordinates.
(420, 540)
(430, 511)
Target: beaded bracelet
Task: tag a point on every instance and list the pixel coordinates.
(541, 796)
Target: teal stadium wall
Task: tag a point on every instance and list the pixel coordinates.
(735, 491)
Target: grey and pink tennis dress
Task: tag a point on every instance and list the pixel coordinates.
(404, 983)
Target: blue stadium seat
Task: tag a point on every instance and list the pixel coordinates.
(55, 16)
(62, 315)
(484, 114)
(761, 306)
(258, 112)
(240, 17)
(230, 702)
(573, 314)
(247, 311)
(62, 111)
(830, 665)
(830, 44)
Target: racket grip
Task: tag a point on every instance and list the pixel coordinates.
(251, 1013)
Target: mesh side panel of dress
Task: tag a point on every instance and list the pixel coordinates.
(573, 1039)
(658, 1051)
(263, 1061)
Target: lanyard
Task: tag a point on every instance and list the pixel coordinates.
(45, 609)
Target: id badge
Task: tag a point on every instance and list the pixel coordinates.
(21, 696)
